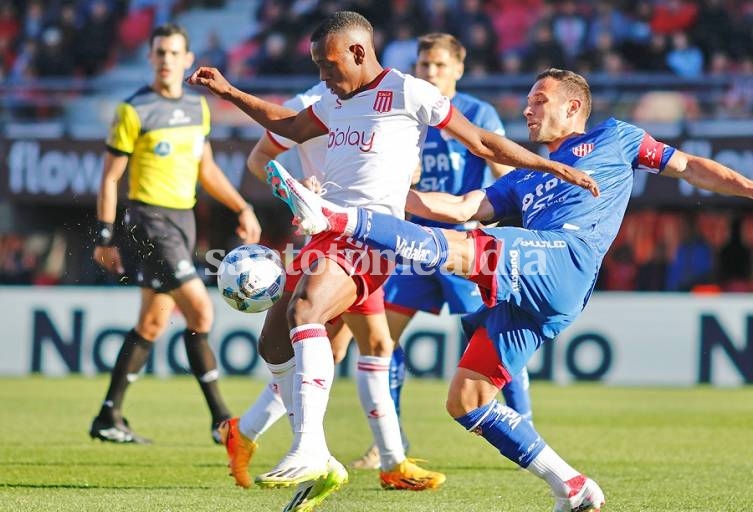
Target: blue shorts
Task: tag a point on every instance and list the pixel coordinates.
(410, 292)
(534, 284)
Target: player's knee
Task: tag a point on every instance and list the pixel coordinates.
(198, 312)
(338, 353)
(381, 346)
(275, 349)
(302, 311)
(151, 328)
(274, 340)
(455, 405)
(201, 323)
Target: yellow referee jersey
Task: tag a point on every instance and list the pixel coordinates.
(164, 139)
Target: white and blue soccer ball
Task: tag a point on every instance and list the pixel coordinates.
(251, 278)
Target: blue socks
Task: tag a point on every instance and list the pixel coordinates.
(397, 376)
(410, 243)
(508, 431)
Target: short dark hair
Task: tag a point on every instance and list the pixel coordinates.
(442, 40)
(339, 22)
(575, 85)
(169, 29)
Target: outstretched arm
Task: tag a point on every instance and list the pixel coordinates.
(494, 147)
(297, 126)
(708, 174)
(449, 208)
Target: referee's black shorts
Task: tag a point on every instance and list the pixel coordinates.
(158, 246)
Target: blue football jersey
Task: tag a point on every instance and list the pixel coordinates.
(447, 165)
(610, 152)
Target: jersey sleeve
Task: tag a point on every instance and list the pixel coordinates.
(308, 97)
(426, 103)
(642, 150)
(124, 129)
(320, 110)
(501, 198)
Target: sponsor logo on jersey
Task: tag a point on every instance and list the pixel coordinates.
(582, 150)
(383, 101)
(351, 137)
(514, 270)
(540, 244)
(163, 148)
(541, 197)
(178, 117)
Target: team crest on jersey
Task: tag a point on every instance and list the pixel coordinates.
(383, 101)
(162, 148)
(583, 149)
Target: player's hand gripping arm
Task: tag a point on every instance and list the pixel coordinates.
(106, 254)
(708, 174)
(214, 181)
(450, 208)
(275, 118)
(494, 147)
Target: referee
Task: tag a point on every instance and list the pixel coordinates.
(160, 133)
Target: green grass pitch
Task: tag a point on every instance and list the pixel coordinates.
(651, 450)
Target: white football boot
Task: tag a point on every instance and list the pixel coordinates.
(590, 498)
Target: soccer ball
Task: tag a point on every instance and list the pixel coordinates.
(251, 278)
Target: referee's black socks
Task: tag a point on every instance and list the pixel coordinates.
(204, 367)
(133, 355)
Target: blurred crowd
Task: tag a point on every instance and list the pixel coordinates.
(32, 258)
(53, 38)
(683, 37)
(681, 251)
(74, 38)
(673, 251)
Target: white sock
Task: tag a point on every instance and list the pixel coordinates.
(552, 468)
(350, 227)
(267, 409)
(315, 370)
(373, 381)
(283, 375)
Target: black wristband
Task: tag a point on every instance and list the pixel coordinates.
(103, 234)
